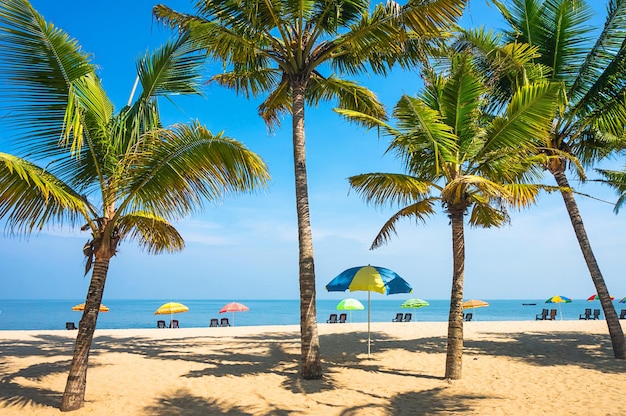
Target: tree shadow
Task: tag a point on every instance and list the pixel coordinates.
(182, 403)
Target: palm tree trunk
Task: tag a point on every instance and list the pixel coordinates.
(74, 394)
(454, 352)
(311, 366)
(615, 329)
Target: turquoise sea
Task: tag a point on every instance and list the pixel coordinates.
(52, 314)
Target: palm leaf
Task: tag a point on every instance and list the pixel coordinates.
(419, 211)
(527, 120)
(348, 93)
(30, 197)
(153, 233)
(186, 165)
(389, 188)
(42, 64)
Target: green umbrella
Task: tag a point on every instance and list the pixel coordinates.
(414, 303)
(350, 304)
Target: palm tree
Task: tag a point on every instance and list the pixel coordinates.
(279, 48)
(122, 175)
(591, 122)
(457, 154)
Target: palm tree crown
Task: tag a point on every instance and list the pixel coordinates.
(457, 154)
(281, 48)
(123, 175)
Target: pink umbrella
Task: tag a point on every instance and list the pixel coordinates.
(234, 307)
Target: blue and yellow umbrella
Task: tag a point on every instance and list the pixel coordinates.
(371, 279)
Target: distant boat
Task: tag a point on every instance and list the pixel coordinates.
(529, 304)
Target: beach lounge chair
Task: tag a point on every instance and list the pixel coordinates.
(224, 322)
(398, 318)
(70, 325)
(552, 316)
(542, 316)
(174, 324)
(469, 316)
(586, 315)
(160, 324)
(407, 317)
(332, 319)
(622, 314)
(214, 322)
(596, 314)
(342, 318)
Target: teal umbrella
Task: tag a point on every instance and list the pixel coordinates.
(350, 304)
(414, 303)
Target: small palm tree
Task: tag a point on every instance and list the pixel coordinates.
(280, 48)
(456, 154)
(590, 123)
(122, 175)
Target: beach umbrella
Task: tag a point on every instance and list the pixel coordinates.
(595, 297)
(171, 308)
(414, 303)
(234, 307)
(622, 300)
(370, 279)
(559, 299)
(81, 307)
(350, 305)
(474, 303)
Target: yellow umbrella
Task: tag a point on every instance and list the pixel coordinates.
(474, 303)
(170, 308)
(81, 307)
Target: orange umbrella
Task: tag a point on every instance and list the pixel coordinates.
(81, 307)
(234, 307)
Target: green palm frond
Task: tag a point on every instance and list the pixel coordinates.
(153, 233)
(388, 188)
(419, 211)
(349, 94)
(366, 121)
(30, 197)
(185, 165)
(617, 180)
(173, 68)
(460, 101)
(601, 59)
(276, 105)
(42, 64)
(251, 81)
(528, 118)
(487, 216)
(426, 142)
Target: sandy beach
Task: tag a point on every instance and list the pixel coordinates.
(509, 368)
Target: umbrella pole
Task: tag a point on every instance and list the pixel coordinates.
(368, 324)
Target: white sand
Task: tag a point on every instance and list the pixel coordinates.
(509, 368)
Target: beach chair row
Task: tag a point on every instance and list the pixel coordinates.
(222, 322)
(403, 317)
(173, 324)
(332, 319)
(546, 315)
(587, 315)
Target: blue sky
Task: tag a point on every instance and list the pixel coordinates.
(246, 247)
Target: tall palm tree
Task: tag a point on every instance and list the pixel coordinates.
(280, 48)
(123, 175)
(458, 155)
(590, 124)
